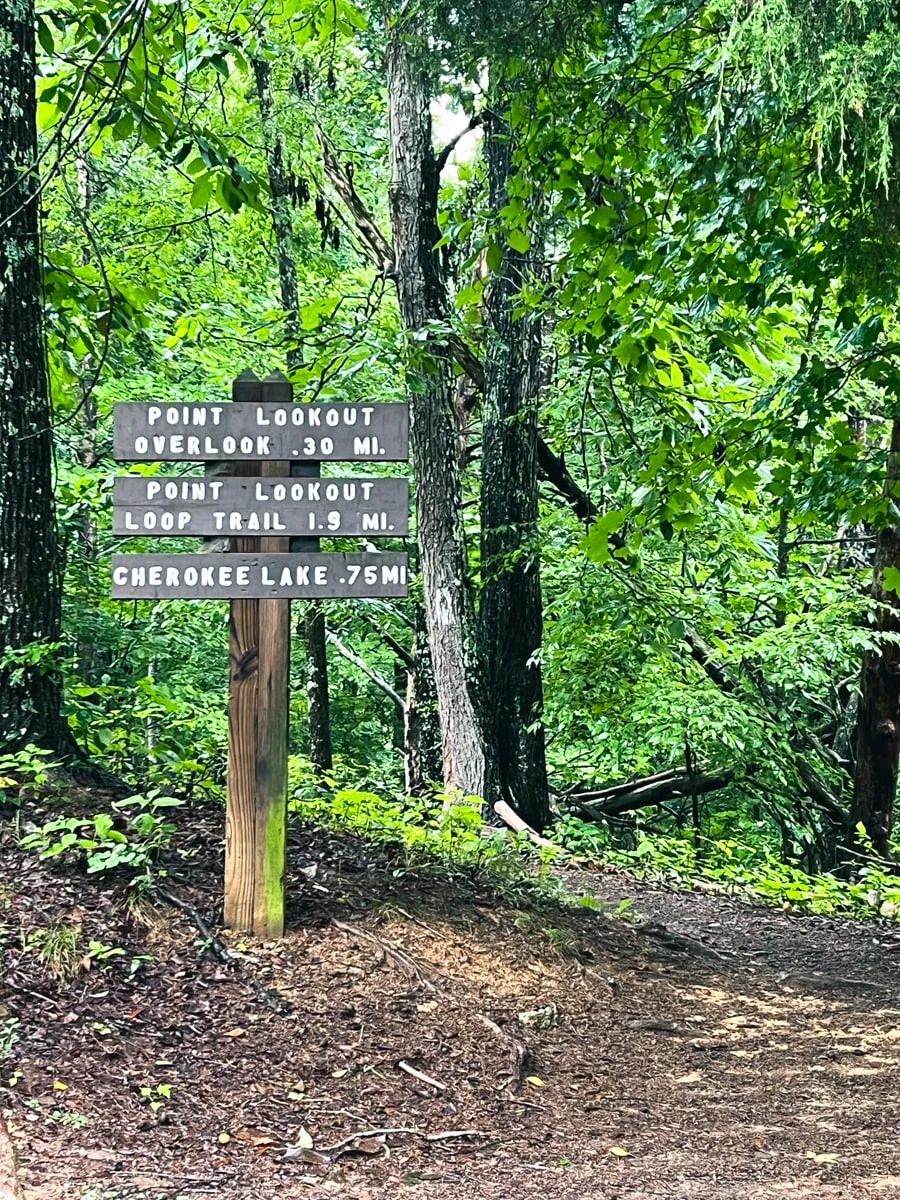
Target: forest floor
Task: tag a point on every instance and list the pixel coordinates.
(705, 1049)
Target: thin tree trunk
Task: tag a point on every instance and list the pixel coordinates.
(317, 699)
(422, 732)
(313, 623)
(878, 736)
(511, 617)
(30, 559)
(433, 430)
(87, 449)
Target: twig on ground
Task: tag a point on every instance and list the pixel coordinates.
(420, 1075)
(17, 987)
(218, 948)
(399, 956)
(370, 1133)
(518, 1051)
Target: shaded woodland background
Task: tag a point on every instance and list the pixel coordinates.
(635, 268)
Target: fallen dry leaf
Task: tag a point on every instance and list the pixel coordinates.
(255, 1137)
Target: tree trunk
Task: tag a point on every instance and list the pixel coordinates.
(86, 451)
(313, 623)
(317, 699)
(433, 431)
(422, 732)
(511, 617)
(878, 737)
(30, 559)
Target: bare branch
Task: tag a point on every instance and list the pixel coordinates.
(444, 156)
(369, 673)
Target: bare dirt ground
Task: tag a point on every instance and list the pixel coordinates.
(709, 1051)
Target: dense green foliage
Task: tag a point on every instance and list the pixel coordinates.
(719, 374)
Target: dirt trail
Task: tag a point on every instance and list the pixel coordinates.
(713, 1051)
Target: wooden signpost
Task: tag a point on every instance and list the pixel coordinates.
(274, 506)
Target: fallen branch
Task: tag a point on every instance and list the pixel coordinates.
(655, 789)
(511, 818)
(371, 1133)
(614, 789)
(377, 247)
(399, 956)
(421, 1076)
(518, 1051)
(218, 948)
(369, 672)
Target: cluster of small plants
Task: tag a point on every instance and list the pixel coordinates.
(738, 868)
(23, 771)
(130, 838)
(437, 830)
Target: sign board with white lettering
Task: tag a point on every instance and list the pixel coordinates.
(194, 506)
(257, 576)
(203, 432)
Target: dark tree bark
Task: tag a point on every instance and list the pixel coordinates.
(878, 735)
(313, 623)
(433, 431)
(422, 733)
(317, 699)
(511, 617)
(30, 559)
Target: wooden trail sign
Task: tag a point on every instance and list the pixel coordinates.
(274, 507)
(267, 430)
(257, 576)
(193, 506)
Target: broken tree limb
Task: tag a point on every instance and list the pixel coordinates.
(377, 247)
(511, 818)
(605, 790)
(642, 793)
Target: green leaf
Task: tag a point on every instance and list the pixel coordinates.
(494, 257)
(519, 241)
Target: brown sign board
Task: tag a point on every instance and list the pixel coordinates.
(197, 506)
(257, 576)
(170, 432)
